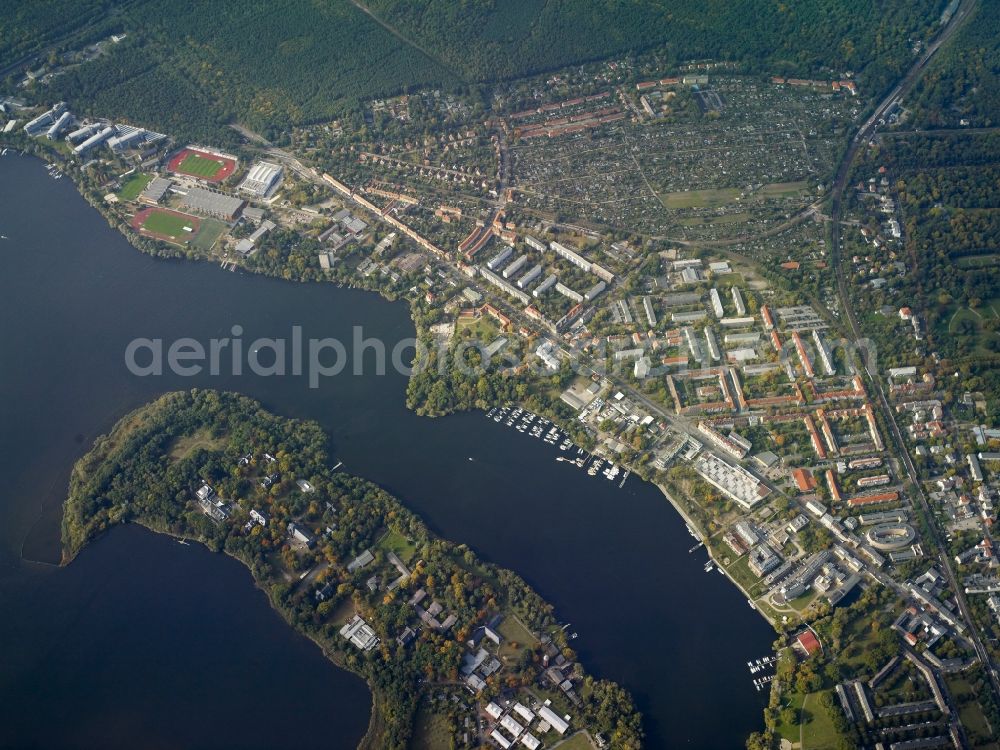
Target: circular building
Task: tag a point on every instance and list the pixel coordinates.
(890, 536)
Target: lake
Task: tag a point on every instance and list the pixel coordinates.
(197, 640)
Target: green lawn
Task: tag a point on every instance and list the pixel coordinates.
(199, 166)
(818, 733)
(789, 731)
(784, 189)
(971, 713)
(977, 261)
(134, 186)
(740, 570)
(513, 630)
(393, 541)
(431, 731)
(208, 234)
(578, 741)
(171, 225)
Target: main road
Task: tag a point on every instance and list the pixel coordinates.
(864, 134)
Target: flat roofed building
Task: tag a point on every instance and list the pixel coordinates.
(500, 739)
(96, 139)
(360, 633)
(262, 178)
(125, 139)
(509, 723)
(61, 124)
(155, 191)
(213, 204)
(734, 481)
(524, 712)
(553, 719)
(577, 260)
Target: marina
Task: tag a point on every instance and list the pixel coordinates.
(541, 428)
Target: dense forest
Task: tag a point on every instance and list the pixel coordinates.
(495, 39)
(963, 83)
(947, 189)
(28, 27)
(187, 66)
(149, 467)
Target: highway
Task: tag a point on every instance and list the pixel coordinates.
(866, 131)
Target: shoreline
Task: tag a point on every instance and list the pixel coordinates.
(384, 719)
(701, 535)
(367, 741)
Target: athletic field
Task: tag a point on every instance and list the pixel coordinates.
(164, 224)
(202, 165)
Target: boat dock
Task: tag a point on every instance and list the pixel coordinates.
(543, 429)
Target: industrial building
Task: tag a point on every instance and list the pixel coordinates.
(262, 179)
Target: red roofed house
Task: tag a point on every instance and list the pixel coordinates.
(804, 479)
(807, 642)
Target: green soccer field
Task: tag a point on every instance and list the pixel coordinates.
(170, 225)
(134, 187)
(199, 166)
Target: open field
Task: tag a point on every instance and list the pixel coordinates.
(578, 741)
(971, 712)
(208, 235)
(785, 189)
(183, 447)
(430, 731)
(393, 541)
(701, 198)
(134, 186)
(818, 732)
